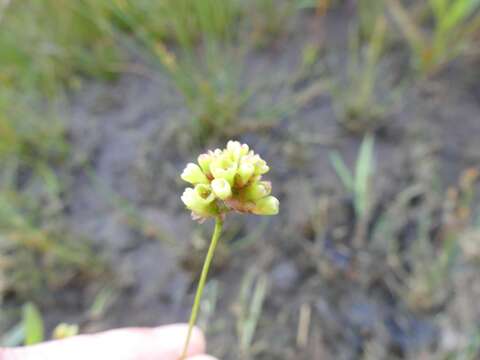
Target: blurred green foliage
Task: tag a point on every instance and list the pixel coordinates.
(453, 24)
(44, 45)
(33, 324)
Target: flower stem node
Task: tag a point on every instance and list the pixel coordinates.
(228, 180)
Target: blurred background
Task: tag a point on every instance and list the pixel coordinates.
(367, 111)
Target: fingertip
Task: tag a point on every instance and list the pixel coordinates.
(177, 333)
(198, 340)
(165, 342)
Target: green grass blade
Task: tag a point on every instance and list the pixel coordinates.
(341, 170)
(412, 32)
(363, 173)
(33, 324)
(254, 312)
(458, 12)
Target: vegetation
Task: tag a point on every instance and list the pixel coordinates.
(54, 43)
(358, 184)
(454, 23)
(360, 100)
(287, 77)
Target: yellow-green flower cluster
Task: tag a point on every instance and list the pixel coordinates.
(228, 179)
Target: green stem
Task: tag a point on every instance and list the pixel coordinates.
(201, 283)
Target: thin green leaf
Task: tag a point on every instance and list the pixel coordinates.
(33, 324)
(363, 173)
(101, 303)
(254, 311)
(410, 29)
(458, 12)
(341, 170)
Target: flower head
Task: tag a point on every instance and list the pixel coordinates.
(228, 180)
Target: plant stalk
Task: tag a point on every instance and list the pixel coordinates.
(201, 282)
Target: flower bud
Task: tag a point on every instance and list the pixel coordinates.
(224, 168)
(194, 175)
(266, 206)
(221, 188)
(204, 192)
(245, 172)
(204, 160)
(233, 149)
(200, 200)
(236, 150)
(261, 166)
(216, 152)
(257, 190)
(244, 150)
(63, 331)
